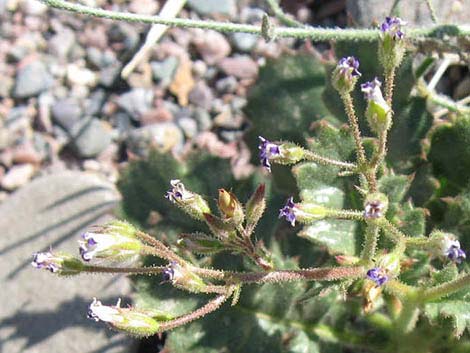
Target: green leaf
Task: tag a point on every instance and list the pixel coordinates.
(450, 152)
(456, 310)
(286, 99)
(337, 236)
(394, 186)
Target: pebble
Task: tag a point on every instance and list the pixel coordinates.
(5, 138)
(79, 75)
(212, 46)
(209, 7)
(136, 102)
(164, 71)
(90, 137)
(239, 66)
(244, 42)
(66, 112)
(201, 95)
(156, 115)
(95, 102)
(26, 153)
(162, 136)
(31, 80)
(199, 69)
(226, 85)
(61, 43)
(143, 7)
(203, 119)
(17, 176)
(189, 126)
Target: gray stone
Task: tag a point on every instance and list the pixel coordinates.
(415, 12)
(110, 73)
(201, 95)
(136, 102)
(90, 137)
(94, 102)
(62, 42)
(42, 312)
(226, 85)
(207, 7)
(244, 42)
(164, 137)
(32, 80)
(203, 119)
(189, 126)
(164, 71)
(66, 113)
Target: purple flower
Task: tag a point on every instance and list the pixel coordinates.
(455, 253)
(267, 150)
(168, 274)
(373, 209)
(178, 192)
(372, 90)
(47, 261)
(288, 211)
(349, 67)
(377, 275)
(392, 26)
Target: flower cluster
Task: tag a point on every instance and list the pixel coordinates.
(349, 67)
(378, 276)
(392, 26)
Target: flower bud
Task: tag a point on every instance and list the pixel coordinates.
(60, 263)
(190, 202)
(255, 206)
(446, 245)
(129, 320)
(378, 112)
(391, 45)
(181, 277)
(200, 243)
(284, 153)
(345, 74)
(375, 206)
(114, 241)
(305, 212)
(230, 207)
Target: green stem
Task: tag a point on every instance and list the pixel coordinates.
(397, 235)
(282, 16)
(417, 242)
(311, 156)
(406, 321)
(370, 243)
(445, 289)
(346, 214)
(354, 125)
(315, 34)
(431, 10)
(127, 270)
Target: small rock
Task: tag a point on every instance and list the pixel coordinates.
(239, 66)
(199, 68)
(66, 112)
(95, 102)
(77, 75)
(162, 136)
(201, 95)
(183, 82)
(208, 7)
(33, 7)
(226, 85)
(44, 121)
(6, 86)
(61, 43)
(212, 46)
(164, 71)
(17, 176)
(244, 42)
(231, 135)
(189, 126)
(90, 137)
(31, 80)
(110, 74)
(26, 153)
(5, 138)
(123, 122)
(136, 102)
(91, 165)
(252, 15)
(143, 7)
(123, 36)
(157, 115)
(203, 119)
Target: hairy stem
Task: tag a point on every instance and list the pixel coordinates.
(431, 10)
(311, 156)
(370, 242)
(201, 312)
(315, 34)
(127, 270)
(354, 125)
(406, 321)
(445, 289)
(282, 16)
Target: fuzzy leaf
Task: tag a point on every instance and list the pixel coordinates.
(457, 310)
(450, 152)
